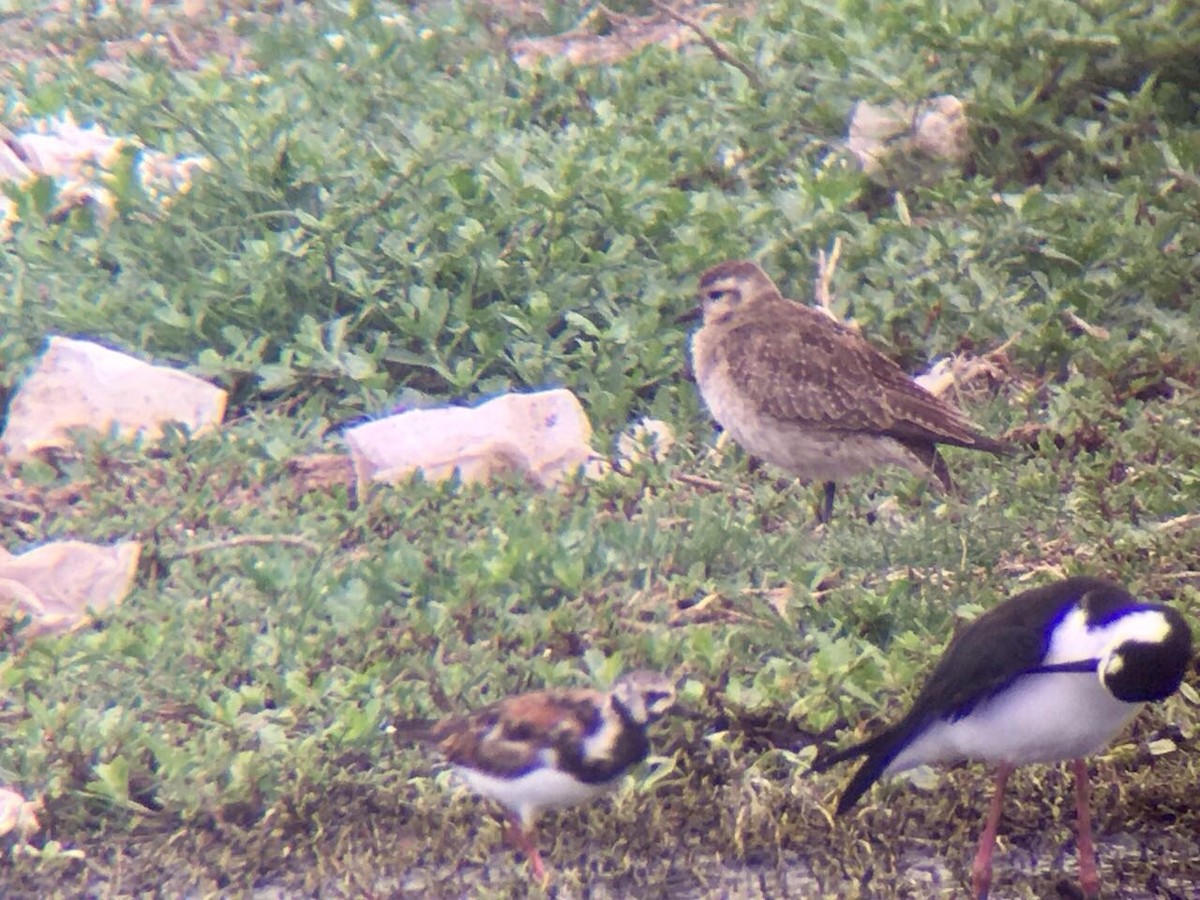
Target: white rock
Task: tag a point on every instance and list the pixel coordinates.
(57, 584)
(80, 161)
(78, 384)
(18, 814)
(902, 144)
(939, 377)
(545, 435)
(955, 371)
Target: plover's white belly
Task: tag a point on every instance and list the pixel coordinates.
(808, 452)
(823, 455)
(1039, 718)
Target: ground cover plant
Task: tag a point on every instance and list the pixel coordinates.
(396, 209)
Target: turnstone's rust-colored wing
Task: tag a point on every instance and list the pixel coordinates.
(512, 736)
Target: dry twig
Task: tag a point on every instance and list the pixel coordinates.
(1178, 522)
(247, 540)
(714, 47)
(826, 266)
(1096, 331)
(699, 481)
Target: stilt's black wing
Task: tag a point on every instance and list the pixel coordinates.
(983, 659)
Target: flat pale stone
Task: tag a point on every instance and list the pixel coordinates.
(955, 371)
(901, 142)
(78, 384)
(80, 161)
(18, 814)
(57, 584)
(544, 435)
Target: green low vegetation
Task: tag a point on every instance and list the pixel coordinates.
(395, 206)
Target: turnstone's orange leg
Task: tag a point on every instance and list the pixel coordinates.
(1089, 875)
(524, 840)
(981, 869)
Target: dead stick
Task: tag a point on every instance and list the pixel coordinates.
(826, 266)
(717, 50)
(699, 481)
(248, 540)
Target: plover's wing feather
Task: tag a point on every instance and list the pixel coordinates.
(792, 366)
(917, 415)
(798, 365)
(509, 738)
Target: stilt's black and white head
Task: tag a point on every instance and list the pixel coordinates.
(1149, 656)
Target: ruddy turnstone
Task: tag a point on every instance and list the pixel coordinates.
(549, 748)
(808, 394)
(1051, 674)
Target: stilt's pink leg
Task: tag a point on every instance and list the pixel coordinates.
(1089, 875)
(981, 869)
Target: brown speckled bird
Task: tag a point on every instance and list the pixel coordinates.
(549, 748)
(808, 394)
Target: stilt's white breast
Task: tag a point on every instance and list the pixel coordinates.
(1039, 718)
(1042, 717)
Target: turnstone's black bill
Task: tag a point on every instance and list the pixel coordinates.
(810, 395)
(549, 748)
(1050, 674)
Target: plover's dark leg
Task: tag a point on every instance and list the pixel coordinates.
(827, 510)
